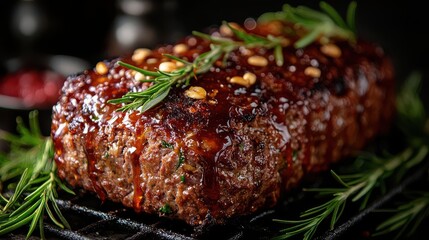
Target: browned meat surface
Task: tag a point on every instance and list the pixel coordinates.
(234, 151)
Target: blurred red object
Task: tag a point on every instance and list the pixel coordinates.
(35, 88)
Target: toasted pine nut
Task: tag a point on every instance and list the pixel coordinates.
(312, 72)
(239, 80)
(139, 76)
(179, 64)
(188, 168)
(213, 93)
(180, 48)
(167, 66)
(258, 61)
(212, 102)
(151, 60)
(196, 93)
(245, 51)
(101, 68)
(141, 54)
(275, 28)
(250, 78)
(331, 50)
(226, 31)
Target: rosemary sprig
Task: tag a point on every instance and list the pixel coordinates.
(162, 82)
(412, 115)
(407, 217)
(34, 193)
(411, 119)
(372, 175)
(355, 187)
(327, 23)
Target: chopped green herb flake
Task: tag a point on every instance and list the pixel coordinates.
(182, 178)
(165, 144)
(94, 117)
(241, 146)
(295, 155)
(181, 159)
(166, 209)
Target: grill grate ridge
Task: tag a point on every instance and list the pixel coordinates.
(109, 219)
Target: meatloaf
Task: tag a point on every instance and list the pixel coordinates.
(236, 149)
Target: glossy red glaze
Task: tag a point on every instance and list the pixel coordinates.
(278, 94)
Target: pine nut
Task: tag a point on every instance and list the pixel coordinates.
(239, 80)
(179, 64)
(101, 68)
(141, 54)
(258, 61)
(212, 102)
(151, 61)
(188, 168)
(331, 50)
(196, 93)
(312, 72)
(250, 78)
(139, 76)
(226, 31)
(180, 48)
(167, 66)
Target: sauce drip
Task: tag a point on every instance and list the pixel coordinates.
(135, 156)
(210, 182)
(138, 192)
(214, 120)
(58, 131)
(92, 158)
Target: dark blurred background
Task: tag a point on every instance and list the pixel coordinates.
(93, 30)
(90, 29)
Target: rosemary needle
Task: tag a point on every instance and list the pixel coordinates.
(162, 82)
(35, 191)
(408, 216)
(356, 187)
(328, 24)
(35, 184)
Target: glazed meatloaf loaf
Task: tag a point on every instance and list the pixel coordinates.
(233, 140)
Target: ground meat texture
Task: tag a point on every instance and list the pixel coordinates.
(233, 152)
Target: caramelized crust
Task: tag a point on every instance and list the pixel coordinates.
(233, 151)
